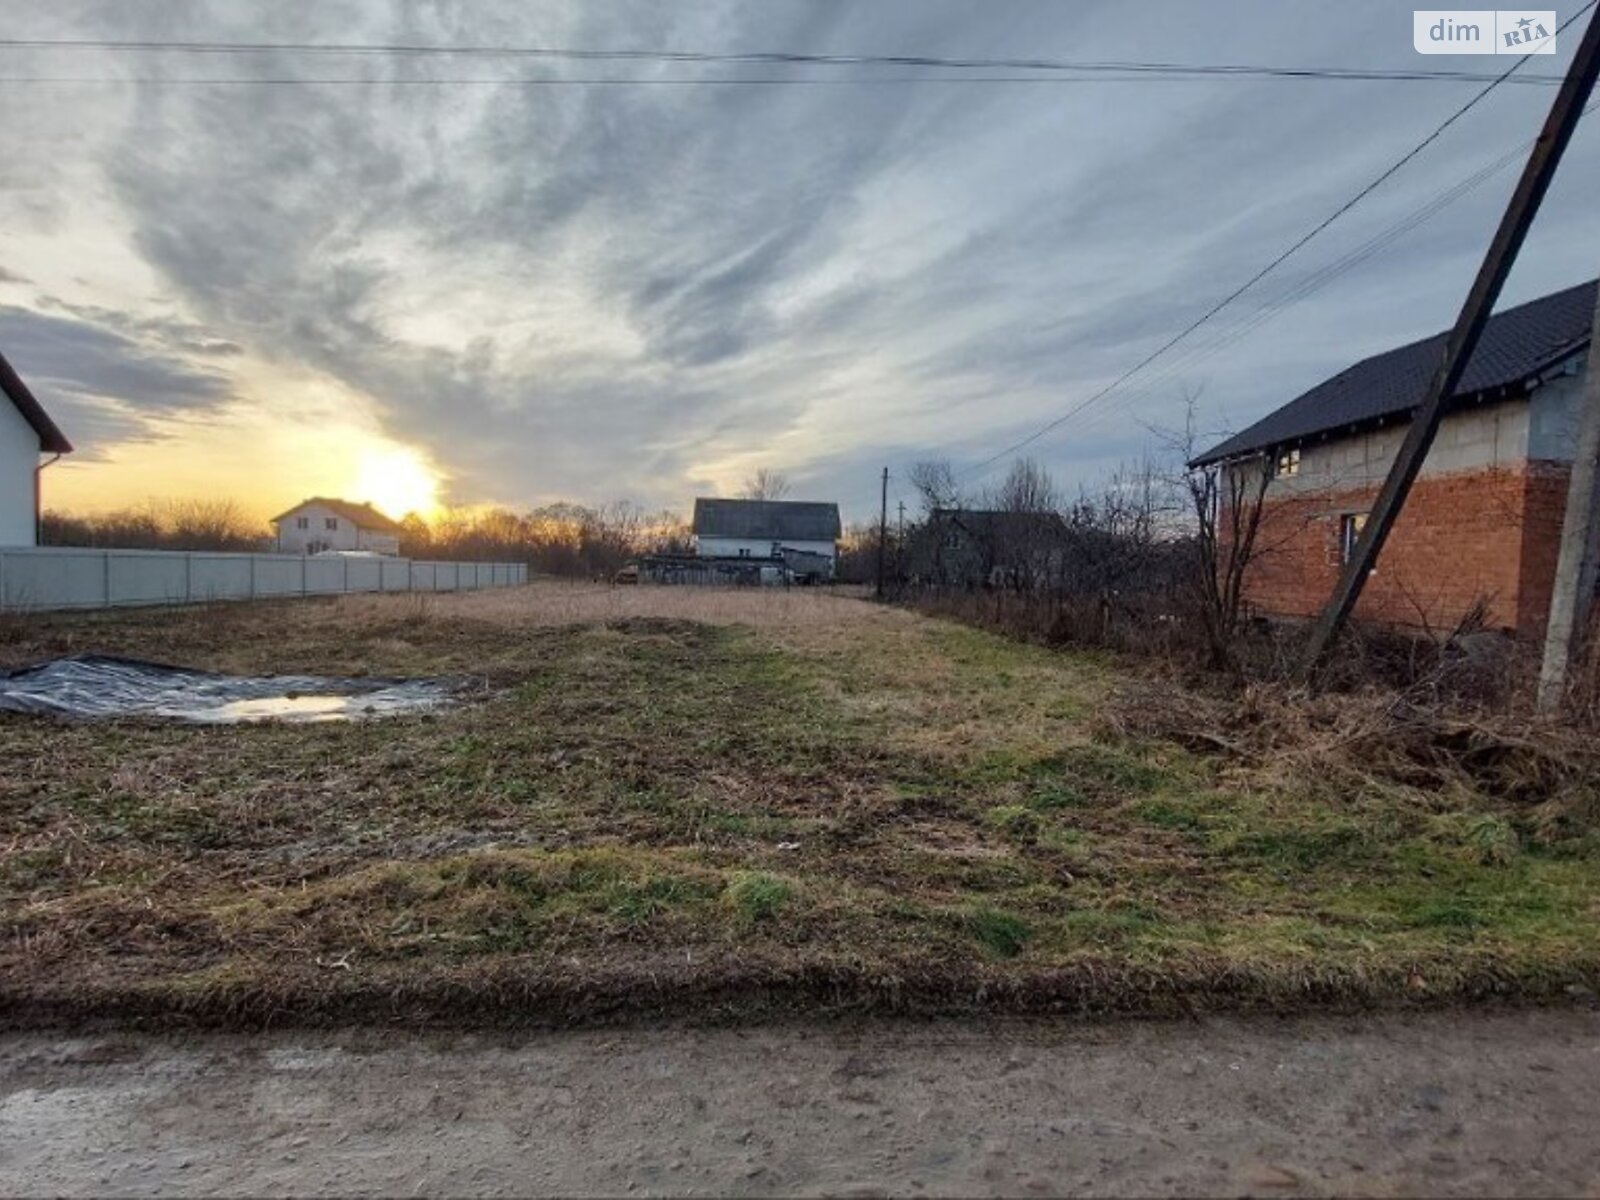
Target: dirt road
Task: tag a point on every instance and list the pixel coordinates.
(1443, 1104)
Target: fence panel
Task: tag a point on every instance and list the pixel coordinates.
(425, 577)
(366, 574)
(326, 576)
(220, 577)
(277, 576)
(71, 579)
(133, 578)
(49, 577)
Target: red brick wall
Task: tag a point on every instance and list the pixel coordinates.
(1544, 508)
(1488, 533)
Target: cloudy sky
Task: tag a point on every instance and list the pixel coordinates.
(403, 278)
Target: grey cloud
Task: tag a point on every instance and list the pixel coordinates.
(102, 384)
(992, 255)
(76, 357)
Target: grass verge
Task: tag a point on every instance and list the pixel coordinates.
(845, 808)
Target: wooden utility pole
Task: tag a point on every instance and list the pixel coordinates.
(1573, 592)
(883, 529)
(1497, 263)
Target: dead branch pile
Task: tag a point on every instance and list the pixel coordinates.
(1351, 742)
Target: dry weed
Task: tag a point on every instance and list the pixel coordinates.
(1369, 739)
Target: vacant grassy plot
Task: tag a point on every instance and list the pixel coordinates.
(676, 800)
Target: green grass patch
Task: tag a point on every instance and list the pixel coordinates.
(1003, 934)
(756, 897)
(1180, 815)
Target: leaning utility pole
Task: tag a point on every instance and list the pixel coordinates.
(1573, 592)
(883, 529)
(1497, 263)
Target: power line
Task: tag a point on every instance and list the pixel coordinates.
(1121, 70)
(308, 81)
(708, 81)
(1326, 275)
(642, 82)
(1296, 247)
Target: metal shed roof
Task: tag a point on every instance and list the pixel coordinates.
(1516, 346)
(767, 520)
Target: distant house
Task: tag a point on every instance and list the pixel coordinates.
(801, 535)
(1483, 519)
(26, 433)
(968, 547)
(320, 524)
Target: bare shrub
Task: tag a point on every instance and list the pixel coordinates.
(1104, 569)
(1348, 744)
(558, 539)
(192, 524)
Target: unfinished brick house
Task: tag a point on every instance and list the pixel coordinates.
(1483, 519)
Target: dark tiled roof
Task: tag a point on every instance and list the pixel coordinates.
(767, 520)
(51, 439)
(1001, 524)
(1516, 345)
(362, 516)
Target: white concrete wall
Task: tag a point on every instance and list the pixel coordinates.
(1486, 436)
(1499, 434)
(720, 547)
(19, 457)
(1553, 417)
(343, 534)
(51, 577)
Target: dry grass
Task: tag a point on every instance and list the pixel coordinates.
(739, 801)
(560, 602)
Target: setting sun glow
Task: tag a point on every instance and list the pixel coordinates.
(396, 482)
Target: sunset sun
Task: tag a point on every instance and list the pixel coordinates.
(397, 482)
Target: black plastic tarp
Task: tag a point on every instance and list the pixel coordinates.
(96, 686)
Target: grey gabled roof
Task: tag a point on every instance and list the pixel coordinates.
(767, 520)
(1516, 346)
(51, 439)
(1001, 524)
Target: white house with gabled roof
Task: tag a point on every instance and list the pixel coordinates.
(27, 434)
(321, 523)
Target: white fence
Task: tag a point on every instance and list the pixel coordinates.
(63, 577)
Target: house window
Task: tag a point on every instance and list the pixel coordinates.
(744, 551)
(952, 540)
(1350, 527)
(1288, 463)
(330, 522)
(302, 522)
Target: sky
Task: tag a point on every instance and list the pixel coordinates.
(420, 280)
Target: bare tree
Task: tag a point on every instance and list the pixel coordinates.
(766, 484)
(1226, 501)
(1027, 488)
(935, 482)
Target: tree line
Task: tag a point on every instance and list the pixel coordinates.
(575, 540)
